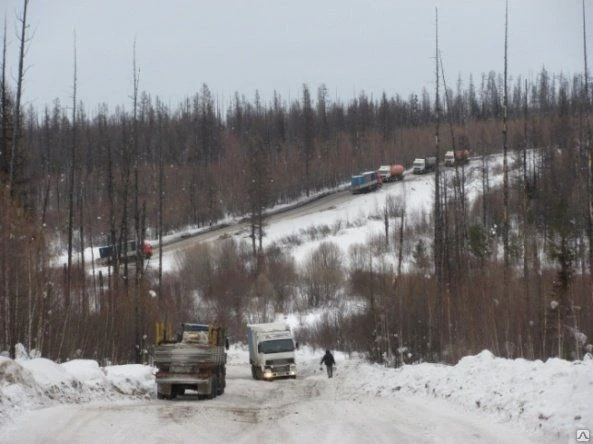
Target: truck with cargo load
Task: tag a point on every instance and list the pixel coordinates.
(194, 360)
(391, 173)
(457, 157)
(423, 165)
(271, 351)
(364, 182)
(124, 252)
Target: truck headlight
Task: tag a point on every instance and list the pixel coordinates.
(268, 373)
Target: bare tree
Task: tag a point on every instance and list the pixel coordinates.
(14, 152)
(438, 213)
(258, 189)
(16, 134)
(308, 136)
(505, 178)
(6, 136)
(588, 143)
(71, 186)
(139, 232)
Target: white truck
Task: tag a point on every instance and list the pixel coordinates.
(271, 351)
(459, 157)
(423, 165)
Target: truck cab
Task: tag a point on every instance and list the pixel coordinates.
(450, 158)
(419, 166)
(271, 351)
(384, 172)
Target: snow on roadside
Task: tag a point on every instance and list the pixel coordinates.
(554, 398)
(27, 384)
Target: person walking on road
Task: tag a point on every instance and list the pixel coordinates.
(329, 361)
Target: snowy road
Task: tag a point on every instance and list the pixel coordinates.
(311, 408)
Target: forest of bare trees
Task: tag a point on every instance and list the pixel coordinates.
(75, 178)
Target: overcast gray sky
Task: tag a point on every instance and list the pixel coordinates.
(232, 45)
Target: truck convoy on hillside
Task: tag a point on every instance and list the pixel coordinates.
(391, 173)
(271, 351)
(457, 157)
(194, 360)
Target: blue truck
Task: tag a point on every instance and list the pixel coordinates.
(125, 251)
(364, 182)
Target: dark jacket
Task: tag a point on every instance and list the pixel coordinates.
(328, 359)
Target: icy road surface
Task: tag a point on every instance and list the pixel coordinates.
(310, 409)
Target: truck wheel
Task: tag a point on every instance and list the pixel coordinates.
(254, 372)
(221, 384)
(213, 388)
(160, 396)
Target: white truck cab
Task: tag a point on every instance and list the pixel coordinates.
(450, 158)
(271, 350)
(419, 166)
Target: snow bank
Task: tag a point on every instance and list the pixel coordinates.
(27, 384)
(554, 398)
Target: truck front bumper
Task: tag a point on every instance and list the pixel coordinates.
(279, 371)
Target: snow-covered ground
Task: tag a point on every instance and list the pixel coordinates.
(481, 399)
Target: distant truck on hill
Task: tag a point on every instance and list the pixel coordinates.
(364, 182)
(423, 165)
(391, 173)
(457, 157)
(124, 252)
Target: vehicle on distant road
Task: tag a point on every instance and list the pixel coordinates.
(364, 182)
(458, 157)
(391, 173)
(423, 165)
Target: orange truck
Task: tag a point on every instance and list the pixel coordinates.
(391, 173)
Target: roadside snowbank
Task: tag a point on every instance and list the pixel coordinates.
(554, 398)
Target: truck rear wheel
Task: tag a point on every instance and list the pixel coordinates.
(221, 384)
(213, 388)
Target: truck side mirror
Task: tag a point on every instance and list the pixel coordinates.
(226, 343)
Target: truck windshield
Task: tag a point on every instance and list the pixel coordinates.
(276, 346)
